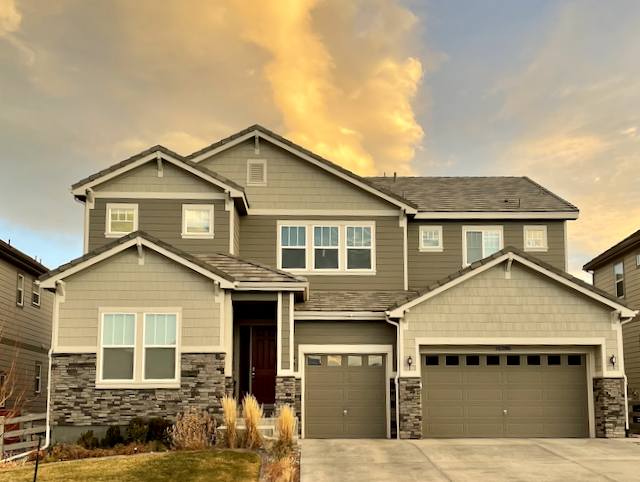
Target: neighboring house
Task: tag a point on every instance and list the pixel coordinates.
(25, 333)
(439, 307)
(617, 271)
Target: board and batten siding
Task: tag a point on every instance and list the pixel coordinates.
(162, 218)
(121, 282)
(292, 183)
(145, 179)
(259, 242)
(426, 268)
(526, 306)
(346, 332)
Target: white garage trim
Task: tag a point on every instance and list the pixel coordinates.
(387, 350)
(582, 346)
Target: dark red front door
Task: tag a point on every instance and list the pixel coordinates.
(264, 364)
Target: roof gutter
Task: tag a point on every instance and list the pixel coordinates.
(496, 215)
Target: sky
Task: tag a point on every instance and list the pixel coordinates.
(546, 89)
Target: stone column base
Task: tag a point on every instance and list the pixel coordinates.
(610, 411)
(286, 393)
(410, 408)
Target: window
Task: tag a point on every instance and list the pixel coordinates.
(473, 360)
(452, 360)
(38, 378)
(375, 360)
(554, 360)
(334, 360)
(493, 360)
(355, 361)
(480, 242)
(121, 219)
(118, 346)
(431, 238)
(197, 221)
(326, 247)
(637, 259)
(293, 247)
(432, 361)
(160, 340)
(513, 360)
(314, 361)
(535, 238)
(358, 247)
(20, 290)
(257, 172)
(618, 271)
(574, 360)
(533, 360)
(35, 298)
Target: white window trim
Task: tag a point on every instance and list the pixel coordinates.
(176, 374)
(264, 171)
(101, 347)
(111, 234)
(545, 242)
(38, 387)
(637, 259)
(305, 248)
(20, 291)
(342, 247)
(341, 261)
(197, 207)
(36, 292)
(347, 247)
(482, 228)
(138, 351)
(430, 249)
(618, 281)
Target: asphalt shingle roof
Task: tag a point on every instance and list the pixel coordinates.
(248, 271)
(469, 194)
(630, 241)
(352, 300)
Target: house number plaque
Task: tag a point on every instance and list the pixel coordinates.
(503, 348)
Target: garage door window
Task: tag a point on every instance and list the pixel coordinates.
(493, 360)
(473, 360)
(513, 360)
(554, 360)
(375, 360)
(533, 360)
(355, 361)
(334, 360)
(452, 360)
(575, 360)
(314, 361)
(432, 361)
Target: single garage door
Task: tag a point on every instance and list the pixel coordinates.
(504, 396)
(345, 396)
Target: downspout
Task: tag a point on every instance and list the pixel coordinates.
(398, 362)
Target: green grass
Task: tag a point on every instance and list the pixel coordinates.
(210, 466)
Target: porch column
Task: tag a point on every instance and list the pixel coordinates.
(286, 393)
(410, 411)
(608, 396)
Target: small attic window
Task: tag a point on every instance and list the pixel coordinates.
(257, 172)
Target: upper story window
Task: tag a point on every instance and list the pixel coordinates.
(197, 221)
(618, 271)
(535, 238)
(35, 296)
(293, 247)
(341, 247)
(431, 238)
(20, 290)
(121, 219)
(480, 242)
(257, 172)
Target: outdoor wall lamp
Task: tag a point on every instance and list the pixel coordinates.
(613, 360)
(409, 362)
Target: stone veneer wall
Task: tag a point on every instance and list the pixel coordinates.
(286, 393)
(609, 407)
(298, 403)
(392, 399)
(410, 408)
(75, 400)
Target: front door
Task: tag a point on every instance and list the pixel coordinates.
(263, 370)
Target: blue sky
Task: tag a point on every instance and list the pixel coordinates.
(547, 89)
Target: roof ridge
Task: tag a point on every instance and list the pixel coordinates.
(615, 249)
(25, 258)
(550, 193)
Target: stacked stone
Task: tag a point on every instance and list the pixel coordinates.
(286, 393)
(298, 403)
(609, 407)
(410, 408)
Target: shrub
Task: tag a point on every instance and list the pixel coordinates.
(193, 430)
(230, 408)
(159, 430)
(284, 445)
(113, 437)
(252, 413)
(87, 440)
(137, 430)
(282, 470)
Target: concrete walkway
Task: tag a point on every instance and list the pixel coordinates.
(484, 460)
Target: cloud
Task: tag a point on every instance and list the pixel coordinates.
(10, 19)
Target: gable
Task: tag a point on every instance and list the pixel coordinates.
(292, 182)
(145, 179)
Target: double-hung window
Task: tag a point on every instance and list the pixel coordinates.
(160, 343)
(197, 221)
(118, 346)
(20, 290)
(618, 272)
(293, 247)
(431, 238)
(121, 219)
(326, 247)
(38, 378)
(480, 242)
(35, 296)
(358, 247)
(535, 238)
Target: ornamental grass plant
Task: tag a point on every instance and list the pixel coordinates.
(253, 414)
(230, 408)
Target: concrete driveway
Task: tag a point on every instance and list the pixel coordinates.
(485, 460)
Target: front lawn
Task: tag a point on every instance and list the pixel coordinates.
(210, 466)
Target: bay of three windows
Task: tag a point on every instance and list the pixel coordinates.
(340, 247)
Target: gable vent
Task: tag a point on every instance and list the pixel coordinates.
(257, 171)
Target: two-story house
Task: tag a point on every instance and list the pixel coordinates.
(25, 333)
(435, 307)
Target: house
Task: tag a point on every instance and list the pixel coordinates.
(25, 333)
(617, 271)
(377, 307)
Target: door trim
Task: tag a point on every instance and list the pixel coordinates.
(387, 350)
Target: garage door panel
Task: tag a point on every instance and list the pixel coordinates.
(484, 411)
(326, 394)
(455, 429)
(483, 377)
(485, 429)
(573, 394)
(494, 394)
(444, 394)
(366, 396)
(331, 376)
(324, 412)
(445, 411)
(445, 376)
(575, 429)
(524, 377)
(525, 411)
(525, 429)
(365, 430)
(524, 394)
(365, 377)
(325, 429)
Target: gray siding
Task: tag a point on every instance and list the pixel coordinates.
(259, 242)
(120, 281)
(145, 179)
(162, 218)
(292, 183)
(344, 333)
(631, 341)
(236, 231)
(286, 334)
(426, 268)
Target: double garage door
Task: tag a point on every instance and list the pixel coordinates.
(345, 396)
(504, 395)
